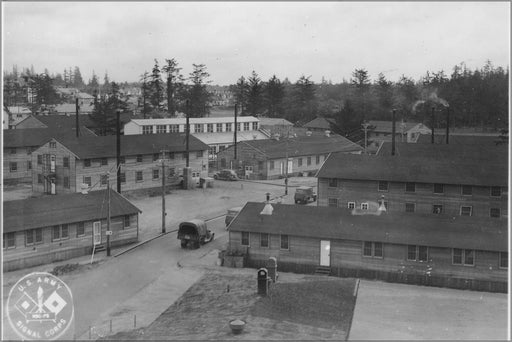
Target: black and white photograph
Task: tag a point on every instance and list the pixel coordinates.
(255, 170)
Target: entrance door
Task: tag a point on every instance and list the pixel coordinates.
(282, 168)
(290, 166)
(325, 253)
(96, 232)
(53, 188)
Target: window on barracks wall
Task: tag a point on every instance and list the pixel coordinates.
(53, 144)
(39, 178)
(264, 240)
(228, 127)
(13, 166)
(383, 186)
(126, 221)
(254, 126)
(174, 128)
(284, 242)
(503, 259)
(245, 238)
(123, 177)
(87, 162)
(246, 126)
(495, 212)
(373, 249)
(138, 176)
(466, 210)
(147, 129)
(299, 161)
(364, 206)
(466, 190)
(80, 229)
(437, 209)
(410, 207)
(272, 165)
(87, 180)
(333, 202)
(219, 127)
(103, 179)
(438, 188)
(495, 191)
(104, 161)
(317, 160)
(39, 159)
(33, 236)
(351, 205)
(463, 257)
(29, 165)
(65, 162)
(333, 182)
(156, 156)
(171, 155)
(417, 253)
(308, 161)
(156, 174)
(9, 240)
(139, 158)
(199, 154)
(410, 187)
(160, 129)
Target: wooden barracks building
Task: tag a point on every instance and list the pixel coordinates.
(42, 230)
(434, 250)
(63, 165)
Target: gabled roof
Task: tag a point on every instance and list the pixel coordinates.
(303, 145)
(228, 137)
(274, 122)
(204, 120)
(424, 163)
(47, 211)
(320, 123)
(400, 228)
(35, 137)
(105, 146)
(387, 126)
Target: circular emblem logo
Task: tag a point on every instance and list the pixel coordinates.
(40, 306)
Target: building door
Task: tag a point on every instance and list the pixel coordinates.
(325, 253)
(282, 168)
(96, 232)
(52, 187)
(290, 166)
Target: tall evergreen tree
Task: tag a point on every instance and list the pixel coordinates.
(274, 95)
(241, 94)
(255, 95)
(305, 106)
(78, 81)
(145, 92)
(156, 87)
(198, 95)
(174, 84)
(105, 110)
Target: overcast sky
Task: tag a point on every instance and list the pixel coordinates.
(288, 39)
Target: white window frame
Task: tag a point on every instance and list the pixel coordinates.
(364, 206)
(499, 212)
(333, 199)
(382, 183)
(351, 205)
(463, 257)
(466, 206)
(268, 240)
(248, 239)
(500, 257)
(287, 242)
(462, 190)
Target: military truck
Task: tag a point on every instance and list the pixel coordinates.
(194, 233)
(304, 195)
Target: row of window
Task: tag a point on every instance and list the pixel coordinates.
(200, 128)
(139, 158)
(466, 190)
(59, 233)
(371, 249)
(13, 166)
(411, 208)
(300, 161)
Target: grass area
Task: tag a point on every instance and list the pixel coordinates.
(298, 307)
(326, 304)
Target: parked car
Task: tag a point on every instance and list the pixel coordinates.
(304, 194)
(225, 175)
(194, 233)
(231, 215)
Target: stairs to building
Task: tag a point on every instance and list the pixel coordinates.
(323, 270)
(100, 248)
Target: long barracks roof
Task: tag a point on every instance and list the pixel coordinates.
(457, 138)
(32, 137)
(227, 137)
(67, 208)
(204, 120)
(398, 228)
(320, 123)
(424, 163)
(387, 126)
(105, 146)
(303, 145)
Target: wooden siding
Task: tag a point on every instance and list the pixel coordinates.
(359, 191)
(22, 256)
(348, 254)
(76, 171)
(22, 156)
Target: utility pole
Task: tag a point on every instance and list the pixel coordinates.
(163, 190)
(286, 163)
(77, 108)
(109, 232)
(236, 110)
(365, 127)
(432, 119)
(118, 149)
(393, 132)
(187, 129)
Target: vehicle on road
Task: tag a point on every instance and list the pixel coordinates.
(304, 195)
(231, 214)
(227, 174)
(194, 233)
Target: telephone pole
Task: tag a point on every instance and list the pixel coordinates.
(109, 232)
(163, 190)
(365, 127)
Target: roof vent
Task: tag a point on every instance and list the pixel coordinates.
(267, 209)
(308, 133)
(84, 188)
(327, 133)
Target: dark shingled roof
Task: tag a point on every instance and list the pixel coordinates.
(303, 145)
(38, 136)
(69, 208)
(105, 146)
(320, 123)
(424, 163)
(399, 228)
